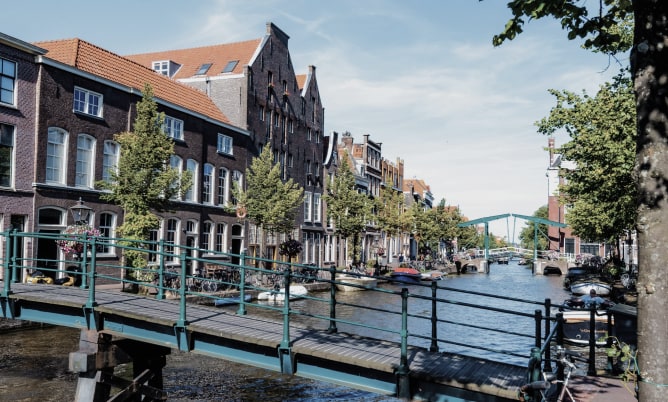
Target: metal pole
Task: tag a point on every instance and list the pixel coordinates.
(332, 300)
(434, 319)
(591, 370)
(242, 284)
(402, 372)
(6, 275)
(548, 353)
(91, 288)
(14, 247)
(538, 320)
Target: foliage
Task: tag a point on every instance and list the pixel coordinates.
(348, 208)
(528, 232)
(290, 247)
(601, 190)
(389, 207)
(626, 356)
(143, 181)
(73, 234)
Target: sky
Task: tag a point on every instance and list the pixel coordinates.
(421, 77)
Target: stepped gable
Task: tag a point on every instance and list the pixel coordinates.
(105, 64)
(191, 59)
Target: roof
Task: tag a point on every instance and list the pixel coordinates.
(105, 64)
(193, 58)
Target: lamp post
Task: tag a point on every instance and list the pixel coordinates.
(80, 213)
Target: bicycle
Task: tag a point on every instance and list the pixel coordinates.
(628, 279)
(549, 389)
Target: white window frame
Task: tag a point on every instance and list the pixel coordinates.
(161, 67)
(91, 104)
(238, 178)
(307, 206)
(8, 140)
(207, 237)
(110, 157)
(8, 69)
(109, 231)
(220, 237)
(56, 155)
(85, 161)
(207, 183)
(317, 205)
(193, 167)
(173, 127)
(172, 226)
(223, 186)
(175, 162)
(225, 144)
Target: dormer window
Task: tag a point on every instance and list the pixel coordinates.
(165, 67)
(203, 69)
(230, 66)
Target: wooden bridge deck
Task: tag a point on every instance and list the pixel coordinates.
(226, 335)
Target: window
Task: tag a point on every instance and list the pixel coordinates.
(236, 179)
(87, 102)
(307, 206)
(224, 144)
(176, 163)
(203, 69)
(152, 246)
(6, 154)
(171, 238)
(161, 67)
(107, 227)
(262, 113)
(207, 184)
(110, 159)
(84, 163)
(55, 156)
(51, 217)
(229, 67)
(222, 186)
(173, 128)
(191, 166)
(7, 81)
(221, 228)
(316, 207)
(206, 236)
(291, 160)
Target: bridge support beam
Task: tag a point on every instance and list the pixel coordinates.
(95, 361)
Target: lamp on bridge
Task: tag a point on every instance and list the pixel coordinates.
(80, 213)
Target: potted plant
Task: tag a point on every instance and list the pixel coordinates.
(72, 242)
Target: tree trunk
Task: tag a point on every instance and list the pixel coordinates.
(649, 64)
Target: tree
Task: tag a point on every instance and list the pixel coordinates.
(389, 207)
(527, 234)
(649, 68)
(601, 190)
(270, 203)
(143, 182)
(348, 208)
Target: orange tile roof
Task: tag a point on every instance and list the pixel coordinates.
(301, 81)
(105, 64)
(191, 59)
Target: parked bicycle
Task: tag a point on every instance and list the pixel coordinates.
(550, 389)
(306, 274)
(629, 279)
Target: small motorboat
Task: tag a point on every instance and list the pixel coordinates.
(353, 283)
(229, 301)
(406, 275)
(433, 276)
(584, 286)
(577, 318)
(278, 295)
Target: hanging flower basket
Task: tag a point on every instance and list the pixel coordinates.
(73, 234)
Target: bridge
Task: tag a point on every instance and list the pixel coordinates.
(119, 326)
(534, 219)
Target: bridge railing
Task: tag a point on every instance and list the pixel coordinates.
(419, 314)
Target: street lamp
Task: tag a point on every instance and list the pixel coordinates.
(80, 213)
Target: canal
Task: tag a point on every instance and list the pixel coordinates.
(33, 363)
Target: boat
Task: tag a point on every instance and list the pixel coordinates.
(296, 292)
(584, 286)
(433, 276)
(352, 283)
(580, 272)
(406, 275)
(577, 320)
(228, 301)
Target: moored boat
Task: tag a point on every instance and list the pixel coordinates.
(584, 286)
(296, 292)
(406, 275)
(353, 283)
(433, 276)
(228, 301)
(577, 319)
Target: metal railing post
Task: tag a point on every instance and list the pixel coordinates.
(434, 319)
(15, 247)
(538, 320)
(284, 351)
(591, 370)
(332, 300)
(548, 353)
(242, 284)
(182, 303)
(560, 342)
(403, 381)
(5, 265)
(84, 262)
(93, 265)
(161, 270)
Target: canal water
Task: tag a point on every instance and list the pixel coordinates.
(33, 363)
